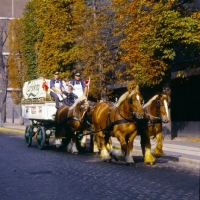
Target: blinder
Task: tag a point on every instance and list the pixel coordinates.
(130, 100)
(158, 103)
(158, 108)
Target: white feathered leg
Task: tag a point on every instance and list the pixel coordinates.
(104, 155)
(83, 141)
(129, 157)
(57, 143)
(96, 144)
(74, 149)
(69, 147)
(117, 154)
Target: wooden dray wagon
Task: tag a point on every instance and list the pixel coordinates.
(38, 107)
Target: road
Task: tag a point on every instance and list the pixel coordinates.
(28, 173)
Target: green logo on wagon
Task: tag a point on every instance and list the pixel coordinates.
(32, 89)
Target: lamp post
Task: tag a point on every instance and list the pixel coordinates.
(0, 107)
(12, 8)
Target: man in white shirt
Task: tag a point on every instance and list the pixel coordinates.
(78, 85)
(56, 88)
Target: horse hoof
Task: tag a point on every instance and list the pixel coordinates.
(151, 163)
(75, 152)
(115, 158)
(129, 164)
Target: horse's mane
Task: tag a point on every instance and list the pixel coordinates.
(77, 101)
(123, 97)
(150, 101)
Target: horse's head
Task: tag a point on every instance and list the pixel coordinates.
(162, 105)
(81, 106)
(91, 108)
(157, 108)
(135, 103)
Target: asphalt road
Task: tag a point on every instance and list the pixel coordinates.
(28, 173)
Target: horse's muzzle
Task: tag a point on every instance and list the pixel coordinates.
(165, 120)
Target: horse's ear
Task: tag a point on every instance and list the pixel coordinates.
(131, 86)
(137, 87)
(159, 95)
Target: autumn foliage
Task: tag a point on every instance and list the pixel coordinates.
(111, 42)
(15, 61)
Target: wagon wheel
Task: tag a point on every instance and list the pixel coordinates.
(28, 135)
(41, 137)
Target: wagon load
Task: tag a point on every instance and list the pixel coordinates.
(36, 102)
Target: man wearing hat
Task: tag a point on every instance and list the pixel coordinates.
(78, 85)
(56, 88)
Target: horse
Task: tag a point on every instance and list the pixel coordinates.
(69, 120)
(119, 121)
(156, 113)
(88, 120)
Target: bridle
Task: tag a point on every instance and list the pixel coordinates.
(110, 124)
(158, 118)
(74, 117)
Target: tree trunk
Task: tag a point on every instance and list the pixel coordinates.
(3, 72)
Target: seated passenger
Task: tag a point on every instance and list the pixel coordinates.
(70, 96)
(56, 89)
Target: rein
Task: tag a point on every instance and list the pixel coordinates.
(110, 125)
(73, 117)
(157, 119)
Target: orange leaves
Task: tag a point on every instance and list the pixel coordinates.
(15, 66)
(153, 33)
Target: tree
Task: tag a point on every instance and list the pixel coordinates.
(29, 38)
(154, 33)
(97, 56)
(49, 37)
(3, 71)
(15, 60)
(58, 25)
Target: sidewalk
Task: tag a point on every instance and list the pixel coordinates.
(180, 149)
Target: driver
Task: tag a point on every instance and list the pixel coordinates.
(56, 89)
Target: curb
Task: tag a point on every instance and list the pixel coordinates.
(168, 157)
(11, 130)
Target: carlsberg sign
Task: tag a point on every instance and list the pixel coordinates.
(33, 89)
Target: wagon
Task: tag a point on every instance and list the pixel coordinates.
(39, 108)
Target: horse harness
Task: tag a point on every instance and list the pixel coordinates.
(66, 119)
(158, 119)
(110, 125)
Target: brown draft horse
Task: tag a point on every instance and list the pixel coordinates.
(88, 120)
(118, 121)
(156, 113)
(70, 120)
